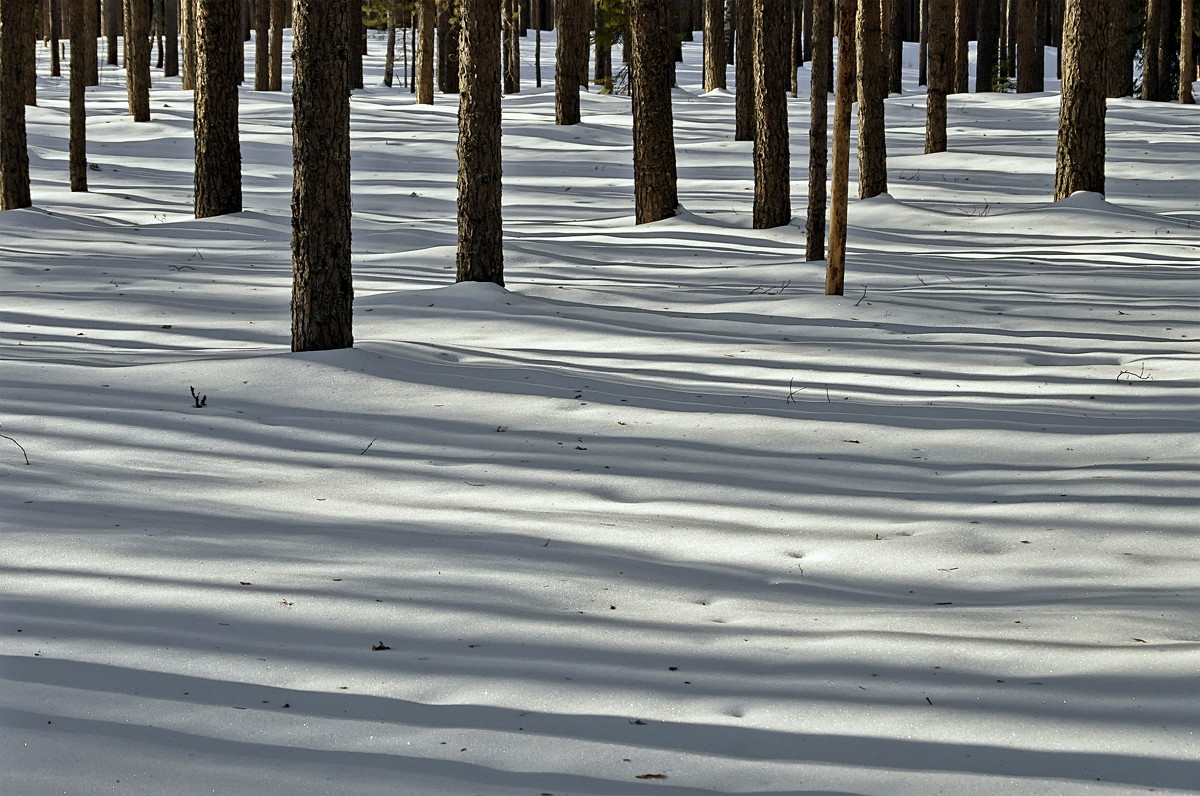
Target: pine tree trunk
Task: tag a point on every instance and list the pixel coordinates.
(278, 20)
(743, 75)
(1080, 161)
(772, 186)
(654, 175)
(512, 47)
(91, 48)
(962, 38)
(78, 114)
(896, 47)
(137, 58)
(389, 58)
(570, 60)
(1187, 58)
(537, 43)
(714, 44)
(923, 67)
(16, 27)
(480, 256)
(354, 44)
(1118, 51)
(171, 37)
(426, 23)
(1029, 49)
(54, 7)
(839, 187)
(262, 45)
(941, 36)
(322, 288)
(818, 131)
(218, 175)
(987, 53)
(872, 88)
(114, 24)
(187, 15)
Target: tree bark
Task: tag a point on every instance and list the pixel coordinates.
(426, 22)
(818, 131)
(962, 38)
(91, 48)
(187, 14)
(1029, 50)
(1187, 58)
(714, 44)
(847, 91)
(16, 28)
(480, 256)
(772, 185)
(218, 176)
(570, 59)
(78, 114)
(114, 25)
(896, 20)
(987, 53)
(137, 58)
(512, 47)
(940, 41)
(278, 20)
(654, 175)
(872, 88)
(389, 58)
(354, 44)
(1080, 159)
(262, 45)
(54, 9)
(743, 73)
(923, 66)
(1118, 51)
(171, 38)
(322, 287)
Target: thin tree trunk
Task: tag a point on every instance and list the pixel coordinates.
(171, 37)
(940, 40)
(1187, 58)
(480, 256)
(1080, 159)
(872, 87)
(847, 92)
(772, 186)
(512, 47)
(354, 44)
(714, 44)
(426, 23)
(137, 59)
(188, 25)
(114, 24)
(1029, 49)
(987, 53)
(279, 10)
(54, 7)
(570, 60)
(923, 66)
(896, 47)
(16, 28)
(537, 42)
(322, 287)
(218, 176)
(962, 39)
(654, 175)
(262, 45)
(743, 76)
(818, 130)
(389, 60)
(78, 113)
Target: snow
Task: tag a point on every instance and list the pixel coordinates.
(658, 508)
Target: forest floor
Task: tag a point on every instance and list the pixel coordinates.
(660, 517)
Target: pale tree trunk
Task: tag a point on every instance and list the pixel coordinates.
(772, 186)
(480, 256)
(940, 40)
(262, 45)
(839, 188)
(426, 22)
(1080, 160)
(743, 74)
(218, 175)
(714, 44)
(512, 47)
(278, 20)
(962, 39)
(322, 287)
(654, 175)
(872, 87)
(1187, 59)
(137, 58)
(818, 131)
(16, 28)
(78, 114)
(988, 49)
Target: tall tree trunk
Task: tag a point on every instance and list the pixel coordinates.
(54, 7)
(896, 47)
(714, 44)
(987, 53)
(426, 23)
(137, 58)
(1187, 58)
(278, 20)
(480, 256)
(114, 25)
(818, 131)
(872, 88)
(941, 13)
(839, 186)
(78, 114)
(1118, 51)
(923, 66)
(1080, 160)
(219, 64)
(512, 47)
(743, 74)
(570, 59)
(654, 176)
(16, 28)
(962, 38)
(1030, 52)
(91, 50)
(262, 45)
(354, 44)
(187, 9)
(171, 36)
(389, 58)
(772, 45)
(322, 288)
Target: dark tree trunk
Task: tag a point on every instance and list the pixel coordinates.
(187, 9)
(426, 24)
(1030, 52)
(872, 88)
(137, 58)
(714, 44)
(171, 37)
(54, 7)
(839, 186)
(772, 55)
(988, 49)
(114, 25)
(896, 47)
(278, 20)
(537, 42)
(322, 288)
(743, 75)
(218, 67)
(91, 50)
(78, 114)
(654, 175)
(389, 57)
(1119, 50)
(16, 28)
(1080, 161)
(571, 59)
(923, 66)
(818, 131)
(941, 13)
(480, 256)
(1187, 58)
(262, 45)
(354, 44)
(512, 47)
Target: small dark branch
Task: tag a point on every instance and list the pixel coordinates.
(771, 290)
(792, 390)
(201, 400)
(922, 281)
(1142, 376)
(19, 445)
(182, 267)
(863, 296)
(828, 400)
(369, 444)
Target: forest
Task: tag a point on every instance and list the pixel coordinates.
(689, 396)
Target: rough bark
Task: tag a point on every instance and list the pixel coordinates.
(654, 174)
(137, 58)
(839, 189)
(262, 45)
(512, 47)
(91, 48)
(1029, 49)
(114, 25)
(962, 38)
(1187, 59)
(941, 13)
(923, 46)
(322, 288)
(426, 23)
(872, 88)
(818, 131)
(896, 19)
(278, 20)
(714, 44)
(743, 74)
(187, 17)
(480, 256)
(987, 52)
(16, 26)
(1118, 51)
(1080, 160)
(218, 176)
(354, 43)
(389, 57)
(78, 114)
(570, 59)
(772, 186)
(54, 10)
(171, 38)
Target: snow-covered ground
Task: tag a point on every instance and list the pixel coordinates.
(659, 518)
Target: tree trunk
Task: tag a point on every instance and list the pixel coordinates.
(1187, 58)
(354, 44)
(512, 47)
(262, 45)
(896, 47)
(187, 15)
(1029, 48)
(940, 40)
(91, 52)
(654, 176)
(16, 28)
(987, 53)
(137, 58)
(426, 23)
(78, 114)
(923, 67)
(219, 64)
(171, 37)
(772, 186)
(714, 44)
(570, 60)
(389, 58)
(278, 20)
(743, 74)
(818, 131)
(114, 24)
(1080, 161)
(847, 91)
(872, 88)
(480, 256)
(322, 289)
(54, 7)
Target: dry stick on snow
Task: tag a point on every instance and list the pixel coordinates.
(19, 445)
